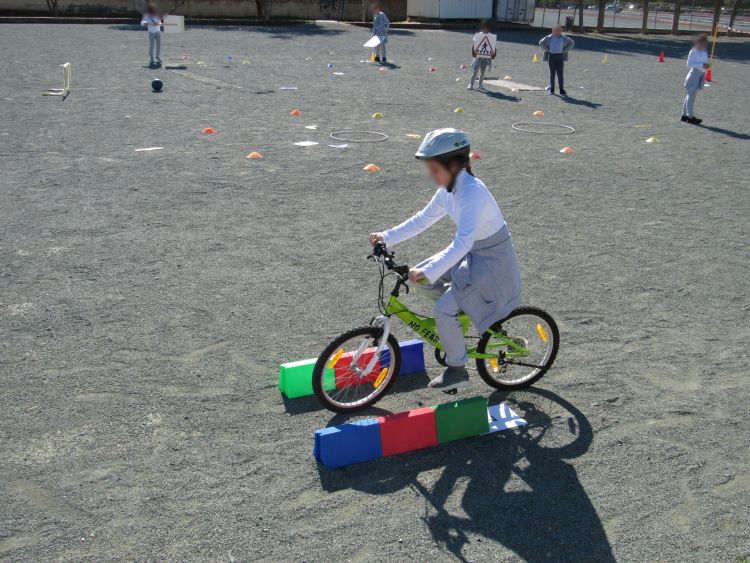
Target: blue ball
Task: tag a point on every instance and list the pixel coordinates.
(157, 85)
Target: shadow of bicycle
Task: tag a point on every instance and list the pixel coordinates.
(520, 489)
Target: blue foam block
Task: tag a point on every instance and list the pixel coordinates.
(412, 357)
(353, 442)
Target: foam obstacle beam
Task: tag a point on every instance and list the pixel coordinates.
(295, 378)
(366, 440)
(345, 444)
(461, 419)
(408, 431)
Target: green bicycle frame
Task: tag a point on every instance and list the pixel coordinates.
(425, 327)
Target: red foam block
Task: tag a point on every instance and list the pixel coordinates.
(344, 375)
(408, 431)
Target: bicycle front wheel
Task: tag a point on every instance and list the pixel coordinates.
(349, 375)
(523, 345)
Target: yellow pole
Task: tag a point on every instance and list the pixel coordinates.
(713, 44)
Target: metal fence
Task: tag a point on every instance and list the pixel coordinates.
(660, 16)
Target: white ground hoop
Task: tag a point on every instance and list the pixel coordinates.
(67, 79)
(359, 136)
(543, 128)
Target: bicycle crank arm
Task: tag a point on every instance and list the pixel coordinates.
(524, 364)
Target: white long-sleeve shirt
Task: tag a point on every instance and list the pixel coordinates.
(696, 59)
(472, 208)
(153, 22)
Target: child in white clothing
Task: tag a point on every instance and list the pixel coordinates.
(698, 64)
(152, 20)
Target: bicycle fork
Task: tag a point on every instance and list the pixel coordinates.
(384, 323)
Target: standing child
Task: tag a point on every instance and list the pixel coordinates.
(556, 46)
(696, 77)
(478, 272)
(152, 20)
(380, 26)
(482, 62)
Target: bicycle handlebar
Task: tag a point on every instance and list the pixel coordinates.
(380, 251)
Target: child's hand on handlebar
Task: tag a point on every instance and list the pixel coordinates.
(416, 276)
(375, 238)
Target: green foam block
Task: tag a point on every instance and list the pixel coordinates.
(296, 378)
(461, 419)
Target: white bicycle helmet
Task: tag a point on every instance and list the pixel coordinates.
(443, 142)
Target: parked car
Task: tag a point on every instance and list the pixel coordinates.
(616, 8)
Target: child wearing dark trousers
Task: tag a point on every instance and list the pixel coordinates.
(556, 46)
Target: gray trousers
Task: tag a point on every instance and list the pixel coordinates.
(556, 66)
(446, 312)
(693, 83)
(479, 66)
(154, 44)
(380, 51)
(689, 103)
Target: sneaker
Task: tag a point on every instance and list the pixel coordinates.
(384, 60)
(694, 120)
(684, 118)
(452, 378)
(377, 59)
(563, 92)
(482, 88)
(470, 87)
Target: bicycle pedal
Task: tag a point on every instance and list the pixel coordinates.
(451, 391)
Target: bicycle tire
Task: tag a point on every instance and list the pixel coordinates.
(319, 370)
(485, 338)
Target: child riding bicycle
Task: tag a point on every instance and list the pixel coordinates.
(478, 272)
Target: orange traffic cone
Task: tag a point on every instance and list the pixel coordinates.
(372, 168)
(661, 57)
(708, 75)
(295, 112)
(254, 155)
(209, 131)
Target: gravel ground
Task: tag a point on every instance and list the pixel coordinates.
(147, 299)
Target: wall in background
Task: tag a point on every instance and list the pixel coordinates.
(296, 9)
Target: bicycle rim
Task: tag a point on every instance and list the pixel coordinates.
(347, 383)
(533, 333)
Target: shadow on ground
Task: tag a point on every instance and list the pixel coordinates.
(519, 488)
(728, 132)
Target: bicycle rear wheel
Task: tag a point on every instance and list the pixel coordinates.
(348, 375)
(532, 329)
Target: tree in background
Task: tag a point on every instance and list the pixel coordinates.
(263, 8)
(600, 16)
(52, 7)
(676, 16)
(717, 14)
(581, 7)
(734, 13)
(644, 25)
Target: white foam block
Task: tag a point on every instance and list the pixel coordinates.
(373, 42)
(174, 24)
(503, 418)
(510, 85)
